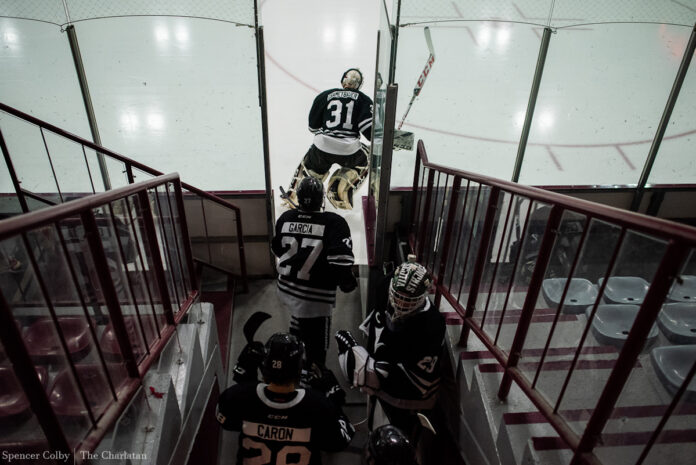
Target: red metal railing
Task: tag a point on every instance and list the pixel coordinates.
(132, 170)
(96, 289)
(496, 249)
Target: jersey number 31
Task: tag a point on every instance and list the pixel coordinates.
(336, 108)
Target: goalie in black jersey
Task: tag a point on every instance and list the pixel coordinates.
(278, 423)
(337, 118)
(401, 363)
(315, 255)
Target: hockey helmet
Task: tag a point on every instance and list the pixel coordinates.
(284, 358)
(408, 287)
(310, 194)
(352, 79)
(387, 445)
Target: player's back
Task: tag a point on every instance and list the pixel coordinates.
(306, 244)
(341, 113)
(281, 428)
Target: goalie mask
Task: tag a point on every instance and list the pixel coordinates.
(408, 288)
(387, 445)
(310, 194)
(283, 362)
(352, 79)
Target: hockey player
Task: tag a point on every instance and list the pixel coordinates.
(315, 255)
(387, 445)
(401, 364)
(337, 118)
(278, 423)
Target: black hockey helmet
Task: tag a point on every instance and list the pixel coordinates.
(387, 445)
(310, 194)
(352, 79)
(283, 362)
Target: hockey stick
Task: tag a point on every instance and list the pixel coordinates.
(285, 196)
(253, 323)
(404, 139)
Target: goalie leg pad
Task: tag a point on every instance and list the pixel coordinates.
(343, 184)
(300, 173)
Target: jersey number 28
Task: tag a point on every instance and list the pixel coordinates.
(336, 108)
(298, 452)
(303, 272)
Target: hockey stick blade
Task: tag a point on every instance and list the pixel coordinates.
(403, 140)
(429, 40)
(252, 325)
(285, 196)
(425, 423)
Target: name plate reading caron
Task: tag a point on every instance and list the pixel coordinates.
(276, 433)
(308, 229)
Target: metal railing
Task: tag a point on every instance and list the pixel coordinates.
(84, 157)
(516, 262)
(92, 293)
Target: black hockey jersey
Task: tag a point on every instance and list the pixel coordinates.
(315, 253)
(337, 118)
(407, 356)
(279, 429)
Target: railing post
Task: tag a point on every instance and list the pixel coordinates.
(157, 265)
(13, 174)
(426, 212)
(415, 197)
(532, 295)
(184, 233)
(25, 371)
(454, 200)
(486, 234)
(109, 292)
(87, 100)
(669, 268)
(664, 121)
(531, 104)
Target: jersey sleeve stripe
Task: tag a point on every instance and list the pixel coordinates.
(344, 257)
(306, 296)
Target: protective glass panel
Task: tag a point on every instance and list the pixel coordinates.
(47, 350)
(67, 162)
(18, 424)
(151, 119)
(218, 236)
(120, 253)
(471, 215)
(171, 233)
(671, 165)
(144, 318)
(494, 291)
(178, 236)
(145, 261)
(661, 371)
(442, 192)
(471, 71)
(88, 287)
(575, 124)
(167, 249)
(606, 325)
(38, 72)
(79, 331)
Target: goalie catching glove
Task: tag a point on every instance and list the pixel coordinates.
(248, 363)
(356, 364)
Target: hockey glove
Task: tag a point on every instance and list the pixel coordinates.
(353, 360)
(328, 384)
(249, 362)
(349, 284)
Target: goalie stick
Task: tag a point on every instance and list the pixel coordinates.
(424, 74)
(285, 196)
(404, 139)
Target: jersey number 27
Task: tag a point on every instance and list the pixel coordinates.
(336, 108)
(303, 273)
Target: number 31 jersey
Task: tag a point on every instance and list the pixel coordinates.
(337, 118)
(315, 253)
